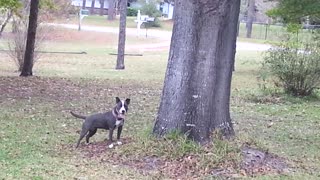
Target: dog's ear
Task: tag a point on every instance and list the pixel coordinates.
(127, 101)
(117, 100)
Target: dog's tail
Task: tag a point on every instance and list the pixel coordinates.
(77, 115)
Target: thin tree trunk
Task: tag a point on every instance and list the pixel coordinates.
(111, 10)
(4, 24)
(122, 34)
(84, 4)
(250, 17)
(31, 38)
(92, 7)
(196, 95)
(101, 7)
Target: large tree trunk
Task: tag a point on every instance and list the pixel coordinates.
(196, 95)
(111, 10)
(250, 17)
(101, 8)
(122, 34)
(84, 4)
(31, 38)
(92, 7)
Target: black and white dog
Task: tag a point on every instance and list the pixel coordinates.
(109, 120)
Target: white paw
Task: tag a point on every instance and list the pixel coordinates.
(119, 143)
(111, 145)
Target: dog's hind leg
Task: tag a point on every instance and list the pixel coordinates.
(91, 133)
(82, 134)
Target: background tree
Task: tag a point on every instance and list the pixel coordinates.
(111, 10)
(196, 94)
(250, 17)
(7, 9)
(10, 4)
(7, 14)
(20, 20)
(101, 12)
(294, 11)
(92, 6)
(84, 4)
(32, 29)
(122, 34)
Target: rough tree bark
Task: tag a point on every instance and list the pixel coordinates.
(122, 34)
(196, 95)
(111, 10)
(92, 7)
(84, 4)
(250, 17)
(101, 8)
(31, 38)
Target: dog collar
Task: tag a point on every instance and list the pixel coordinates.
(117, 116)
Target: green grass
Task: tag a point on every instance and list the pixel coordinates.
(269, 34)
(31, 146)
(38, 134)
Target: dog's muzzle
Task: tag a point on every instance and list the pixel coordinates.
(118, 115)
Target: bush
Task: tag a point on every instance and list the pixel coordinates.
(132, 12)
(295, 65)
(151, 10)
(17, 44)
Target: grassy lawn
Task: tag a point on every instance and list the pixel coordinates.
(269, 34)
(39, 134)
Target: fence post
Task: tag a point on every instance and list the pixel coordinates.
(266, 34)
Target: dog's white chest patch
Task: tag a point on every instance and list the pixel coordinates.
(119, 122)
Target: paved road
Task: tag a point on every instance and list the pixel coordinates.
(165, 35)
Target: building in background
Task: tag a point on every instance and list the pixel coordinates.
(165, 7)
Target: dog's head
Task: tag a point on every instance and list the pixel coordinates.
(122, 106)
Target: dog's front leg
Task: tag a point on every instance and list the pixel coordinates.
(118, 135)
(110, 138)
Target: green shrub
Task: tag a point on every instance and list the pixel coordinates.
(151, 10)
(295, 65)
(132, 12)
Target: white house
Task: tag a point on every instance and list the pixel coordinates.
(164, 7)
(89, 2)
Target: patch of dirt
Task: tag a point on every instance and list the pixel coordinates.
(265, 99)
(182, 168)
(66, 35)
(61, 90)
(254, 163)
(257, 162)
(97, 149)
